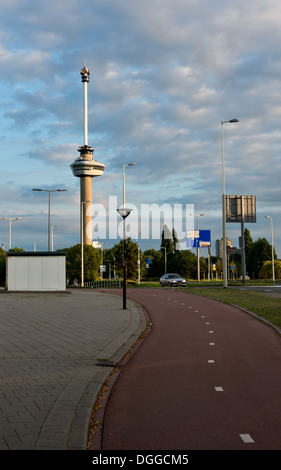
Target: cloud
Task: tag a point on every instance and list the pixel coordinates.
(164, 74)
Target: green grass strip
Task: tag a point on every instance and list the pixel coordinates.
(261, 304)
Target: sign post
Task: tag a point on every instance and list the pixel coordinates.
(241, 209)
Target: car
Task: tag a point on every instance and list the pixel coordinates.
(172, 280)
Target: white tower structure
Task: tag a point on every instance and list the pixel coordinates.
(86, 168)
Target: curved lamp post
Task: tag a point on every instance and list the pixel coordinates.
(124, 213)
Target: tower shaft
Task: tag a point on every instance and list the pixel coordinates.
(86, 209)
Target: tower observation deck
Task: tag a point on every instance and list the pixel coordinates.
(86, 168)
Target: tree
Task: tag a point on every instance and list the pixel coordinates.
(266, 270)
(3, 256)
(188, 264)
(259, 252)
(219, 267)
(157, 267)
(248, 241)
(131, 258)
(166, 239)
(92, 260)
(176, 243)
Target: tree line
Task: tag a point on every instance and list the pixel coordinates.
(150, 264)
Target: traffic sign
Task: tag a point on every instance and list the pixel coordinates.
(203, 238)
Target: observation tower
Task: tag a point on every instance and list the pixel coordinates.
(86, 168)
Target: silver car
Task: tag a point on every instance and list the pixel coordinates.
(172, 280)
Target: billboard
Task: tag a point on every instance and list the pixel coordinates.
(236, 206)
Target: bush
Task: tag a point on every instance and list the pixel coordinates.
(266, 270)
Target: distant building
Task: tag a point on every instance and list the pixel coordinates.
(219, 246)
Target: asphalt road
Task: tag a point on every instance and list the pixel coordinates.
(206, 377)
(273, 291)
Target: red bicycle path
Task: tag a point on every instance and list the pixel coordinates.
(206, 377)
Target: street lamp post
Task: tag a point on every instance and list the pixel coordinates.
(224, 206)
(49, 208)
(124, 213)
(10, 227)
(52, 237)
(126, 164)
(272, 249)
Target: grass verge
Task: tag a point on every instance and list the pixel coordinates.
(265, 306)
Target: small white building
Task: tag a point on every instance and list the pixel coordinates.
(36, 271)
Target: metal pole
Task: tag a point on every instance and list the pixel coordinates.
(223, 216)
(272, 248)
(272, 251)
(10, 234)
(197, 249)
(124, 271)
(49, 217)
(243, 242)
(224, 207)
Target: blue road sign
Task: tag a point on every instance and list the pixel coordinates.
(204, 239)
(147, 262)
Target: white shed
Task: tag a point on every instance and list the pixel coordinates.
(36, 271)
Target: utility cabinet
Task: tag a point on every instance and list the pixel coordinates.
(36, 271)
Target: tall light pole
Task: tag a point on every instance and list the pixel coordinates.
(272, 249)
(52, 237)
(127, 164)
(224, 206)
(10, 227)
(49, 208)
(124, 213)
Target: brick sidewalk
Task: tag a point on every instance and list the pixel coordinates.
(49, 346)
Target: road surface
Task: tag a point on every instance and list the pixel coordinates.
(206, 377)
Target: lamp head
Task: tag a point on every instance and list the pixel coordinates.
(124, 212)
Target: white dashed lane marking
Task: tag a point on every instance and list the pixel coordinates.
(246, 438)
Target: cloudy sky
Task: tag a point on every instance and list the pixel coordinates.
(164, 74)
